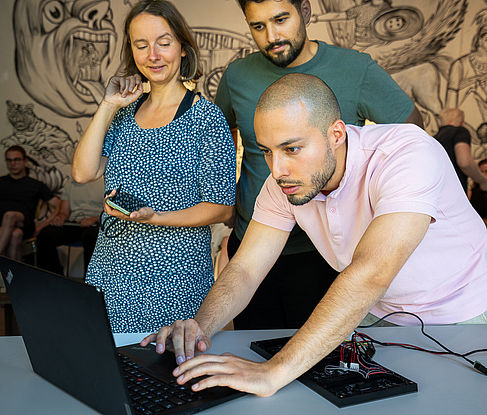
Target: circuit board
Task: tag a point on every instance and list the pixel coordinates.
(343, 386)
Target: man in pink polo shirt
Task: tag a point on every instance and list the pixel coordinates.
(382, 204)
(394, 189)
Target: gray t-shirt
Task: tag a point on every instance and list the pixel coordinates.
(85, 200)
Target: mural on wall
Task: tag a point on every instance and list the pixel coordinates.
(467, 84)
(65, 51)
(479, 150)
(402, 42)
(468, 74)
(218, 48)
(48, 146)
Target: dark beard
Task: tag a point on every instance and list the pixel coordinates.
(285, 58)
(318, 180)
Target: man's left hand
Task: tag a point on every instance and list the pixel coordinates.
(229, 370)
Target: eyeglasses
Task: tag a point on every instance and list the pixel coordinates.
(15, 160)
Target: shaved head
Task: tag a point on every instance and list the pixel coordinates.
(298, 128)
(308, 90)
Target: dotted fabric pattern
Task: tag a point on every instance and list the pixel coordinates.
(153, 275)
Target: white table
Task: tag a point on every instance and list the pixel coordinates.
(447, 385)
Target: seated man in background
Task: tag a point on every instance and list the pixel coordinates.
(455, 138)
(77, 220)
(20, 196)
(383, 206)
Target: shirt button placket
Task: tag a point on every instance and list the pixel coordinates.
(333, 219)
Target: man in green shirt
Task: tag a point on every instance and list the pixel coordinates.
(364, 90)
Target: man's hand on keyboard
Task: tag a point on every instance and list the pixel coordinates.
(182, 338)
(259, 378)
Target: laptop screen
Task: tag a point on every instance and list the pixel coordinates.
(66, 332)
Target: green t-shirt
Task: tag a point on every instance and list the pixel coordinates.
(364, 91)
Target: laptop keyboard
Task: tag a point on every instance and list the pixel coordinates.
(153, 396)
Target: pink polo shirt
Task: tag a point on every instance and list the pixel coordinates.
(397, 168)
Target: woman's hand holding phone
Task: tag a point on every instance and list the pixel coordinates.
(143, 215)
(115, 208)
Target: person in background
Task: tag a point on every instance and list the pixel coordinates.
(482, 133)
(382, 203)
(455, 138)
(77, 221)
(364, 91)
(477, 196)
(170, 154)
(20, 195)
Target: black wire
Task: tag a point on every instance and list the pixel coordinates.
(419, 349)
(412, 347)
(474, 351)
(104, 227)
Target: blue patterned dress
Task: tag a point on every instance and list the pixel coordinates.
(153, 275)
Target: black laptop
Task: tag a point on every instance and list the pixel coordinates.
(67, 335)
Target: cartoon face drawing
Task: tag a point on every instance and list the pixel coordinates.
(64, 52)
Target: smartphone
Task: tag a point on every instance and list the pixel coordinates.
(113, 205)
(125, 203)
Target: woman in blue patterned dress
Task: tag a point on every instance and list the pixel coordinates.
(170, 149)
